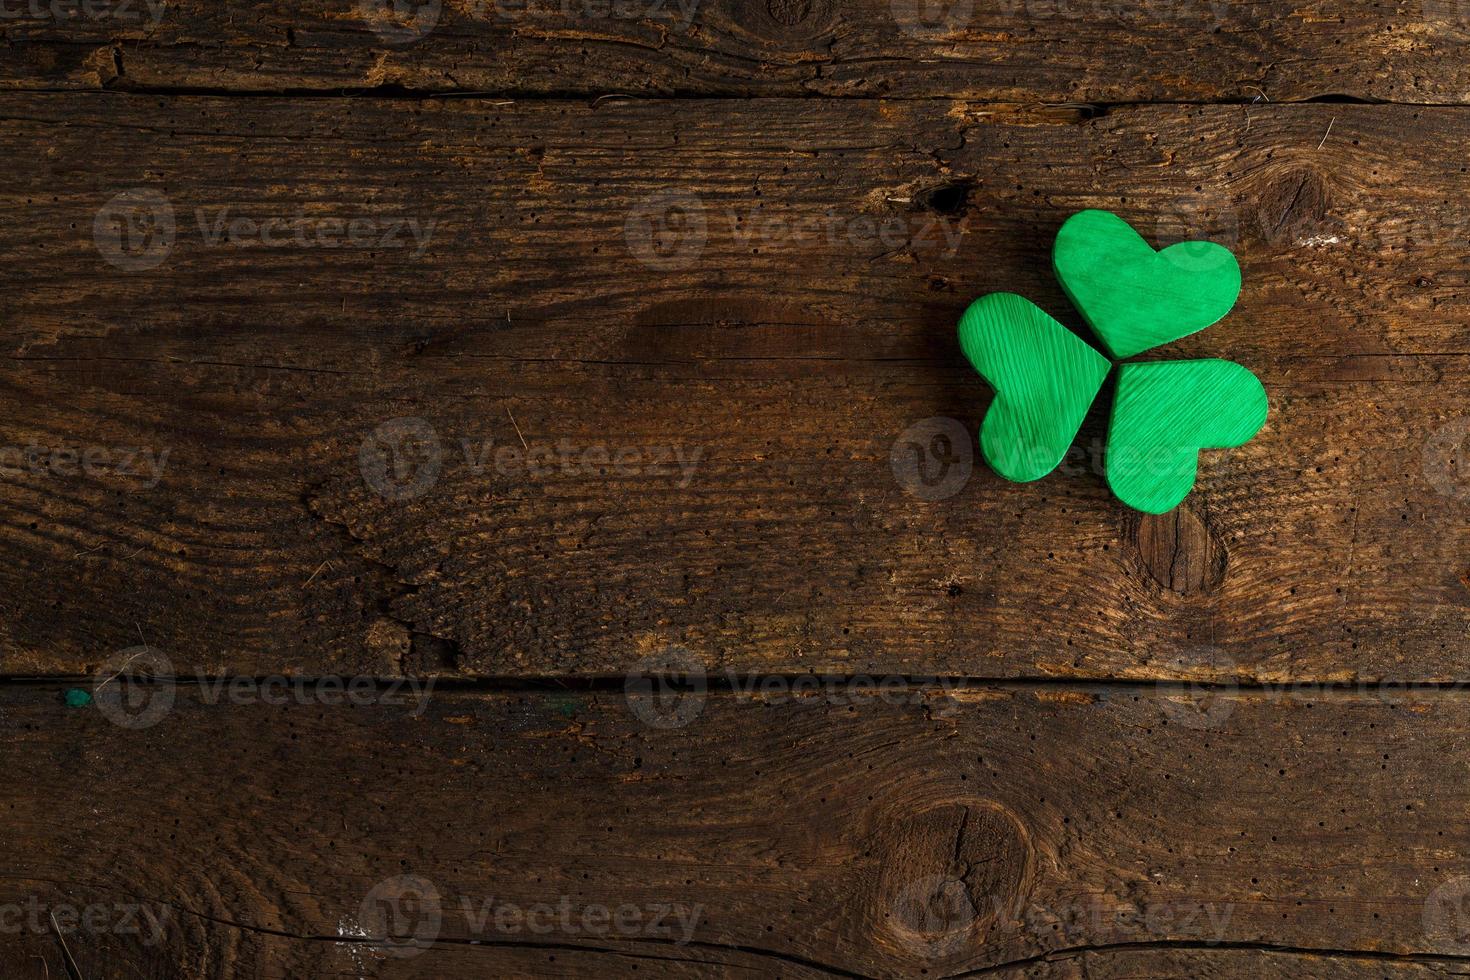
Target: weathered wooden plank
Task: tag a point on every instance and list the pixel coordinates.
(1209, 963)
(830, 834)
(624, 958)
(757, 353)
(1044, 50)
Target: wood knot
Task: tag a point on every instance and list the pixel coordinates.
(954, 875)
(1293, 206)
(1179, 551)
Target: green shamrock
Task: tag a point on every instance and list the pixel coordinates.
(1135, 299)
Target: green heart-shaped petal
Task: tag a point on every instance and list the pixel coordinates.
(1044, 378)
(1136, 298)
(1164, 414)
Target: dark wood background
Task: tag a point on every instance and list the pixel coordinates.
(953, 728)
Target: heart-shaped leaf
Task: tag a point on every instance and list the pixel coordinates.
(1136, 298)
(1044, 377)
(1164, 414)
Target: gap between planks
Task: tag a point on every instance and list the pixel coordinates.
(858, 685)
(397, 92)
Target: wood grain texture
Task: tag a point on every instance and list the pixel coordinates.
(756, 322)
(595, 359)
(1041, 833)
(1020, 50)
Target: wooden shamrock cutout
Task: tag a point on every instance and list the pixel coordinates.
(1165, 412)
(1045, 377)
(1134, 298)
